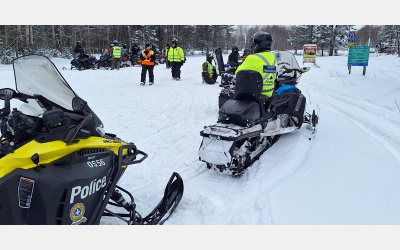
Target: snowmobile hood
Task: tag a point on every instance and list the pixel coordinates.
(37, 75)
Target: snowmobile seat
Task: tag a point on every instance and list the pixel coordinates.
(248, 86)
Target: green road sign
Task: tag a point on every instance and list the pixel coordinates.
(358, 56)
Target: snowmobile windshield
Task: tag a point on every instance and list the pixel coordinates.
(287, 59)
(37, 75)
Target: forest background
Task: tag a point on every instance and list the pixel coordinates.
(59, 40)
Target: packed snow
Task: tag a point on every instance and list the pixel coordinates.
(347, 175)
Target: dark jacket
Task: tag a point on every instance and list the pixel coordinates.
(233, 59)
(78, 49)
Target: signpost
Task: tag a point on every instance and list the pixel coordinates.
(358, 56)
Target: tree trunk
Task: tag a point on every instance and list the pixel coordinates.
(60, 37)
(30, 35)
(5, 36)
(331, 50)
(53, 36)
(27, 36)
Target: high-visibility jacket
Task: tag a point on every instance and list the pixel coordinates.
(207, 68)
(265, 64)
(146, 57)
(176, 54)
(116, 52)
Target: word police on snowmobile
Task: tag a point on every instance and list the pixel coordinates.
(85, 191)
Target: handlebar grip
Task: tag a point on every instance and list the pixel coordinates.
(26, 119)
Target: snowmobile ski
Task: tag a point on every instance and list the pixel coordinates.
(172, 196)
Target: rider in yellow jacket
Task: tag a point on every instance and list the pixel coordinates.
(176, 57)
(208, 71)
(262, 60)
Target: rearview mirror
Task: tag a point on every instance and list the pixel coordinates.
(6, 93)
(78, 104)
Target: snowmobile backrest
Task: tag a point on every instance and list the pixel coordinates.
(248, 86)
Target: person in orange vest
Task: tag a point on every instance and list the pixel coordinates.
(147, 57)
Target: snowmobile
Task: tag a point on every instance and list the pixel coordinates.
(83, 61)
(135, 60)
(124, 61)
(248, 124)
(58, 166)
(104, 61)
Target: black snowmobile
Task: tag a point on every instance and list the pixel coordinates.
(104, 61)
(83, 61)
(135, 60)
(57, 164)
(249, 124)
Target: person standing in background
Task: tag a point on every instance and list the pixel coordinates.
(147, 58)
(176, 57)
(116, 53)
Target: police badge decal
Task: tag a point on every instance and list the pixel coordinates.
(76, 214)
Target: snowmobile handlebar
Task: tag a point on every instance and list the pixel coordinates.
(286, 70)
(6, 94)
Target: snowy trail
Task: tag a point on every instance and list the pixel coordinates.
(377, 122)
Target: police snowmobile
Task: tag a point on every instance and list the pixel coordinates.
(248, 124)
(58, 166)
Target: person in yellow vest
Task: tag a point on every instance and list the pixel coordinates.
(262, 60)
(116, 52)
(176, 57)
(147, 57)
(208, 71)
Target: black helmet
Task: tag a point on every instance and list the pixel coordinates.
(115, 42)
(261, 41)
(209, 57)
(174, 41)
(235, 49)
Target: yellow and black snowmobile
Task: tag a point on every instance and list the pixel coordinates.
(57, 164)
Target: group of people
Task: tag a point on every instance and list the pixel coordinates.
(209, 73)
(259, 59)
(175, 58)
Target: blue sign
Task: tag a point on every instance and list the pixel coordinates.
(351, 37)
